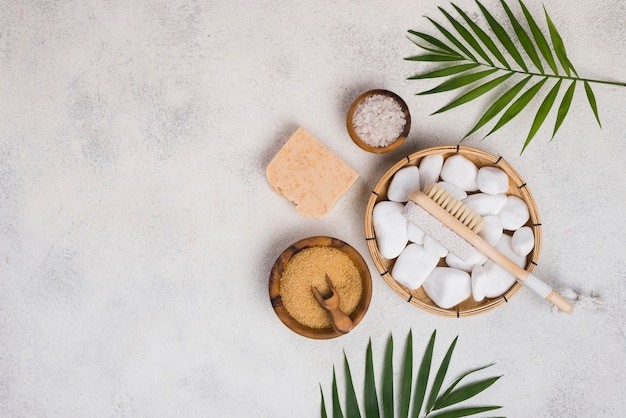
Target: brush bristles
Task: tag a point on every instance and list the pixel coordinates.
(455, 207)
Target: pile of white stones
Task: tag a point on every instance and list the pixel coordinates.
(417, 255)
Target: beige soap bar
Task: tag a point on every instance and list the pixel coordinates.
(309, 174)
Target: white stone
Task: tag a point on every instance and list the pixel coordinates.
(405, 181)
(514, 214)
(486, 204)
(430, 168)
(390, 227)
(492, 229)
(477, 258)
(461, 172)
(523, 241)
(492, 180)
(434, 247)
(480, 278)
(413, 266)
(500, 280)
(416, 234)
(455, 191)
(447, 286)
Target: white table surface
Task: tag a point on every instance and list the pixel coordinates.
(138, 230)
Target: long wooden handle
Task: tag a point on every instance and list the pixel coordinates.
(496, 256)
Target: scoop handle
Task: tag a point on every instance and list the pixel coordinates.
(340, 321)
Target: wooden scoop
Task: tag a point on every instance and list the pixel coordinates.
(340, 321)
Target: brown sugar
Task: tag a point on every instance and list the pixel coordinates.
(308, 268)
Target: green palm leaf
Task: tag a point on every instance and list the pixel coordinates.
(592, 102)
(518, 105)
(458, 380)
(464, 412)
(464, 392)
(535, 47)
(439, 377)
(486, 40)
(323, 408)
(407, 378)
(388, 380)
(475, 93)
(564, 107)
(443, 72)
(459, 81)
(498, 105)
(452, 39)
(352, 405)
(542, 113)
(371, 399)
(336, 404)
(523, 37)
(559, 47)
(434, 49)
(540, 40)
(453, 395)
(434, 41)
(421, 382)
(434, 58)
(503, 37)
(467, 36)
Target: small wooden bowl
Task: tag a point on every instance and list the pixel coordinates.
(276, 298)
(419, 298)
(355, 137)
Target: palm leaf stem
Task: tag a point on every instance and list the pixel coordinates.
(563, 77)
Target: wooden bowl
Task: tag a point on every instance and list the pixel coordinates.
(355, 137)
(276, 298)
(469, 307)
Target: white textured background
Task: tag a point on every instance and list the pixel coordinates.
(137, 229)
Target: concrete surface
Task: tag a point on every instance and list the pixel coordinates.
(137, 229)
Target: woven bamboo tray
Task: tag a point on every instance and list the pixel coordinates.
(469, 307)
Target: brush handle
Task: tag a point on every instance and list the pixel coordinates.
(525, 277)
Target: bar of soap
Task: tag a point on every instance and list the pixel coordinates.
(309, 174)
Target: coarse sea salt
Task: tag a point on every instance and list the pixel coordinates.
(378, 120)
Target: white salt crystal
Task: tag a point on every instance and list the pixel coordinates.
(378, 120)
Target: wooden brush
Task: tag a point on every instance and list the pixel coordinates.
(456, 227)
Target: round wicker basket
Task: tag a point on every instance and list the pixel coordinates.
(469, 307)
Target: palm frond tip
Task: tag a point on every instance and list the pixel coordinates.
(448, 403)
(474, 57)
